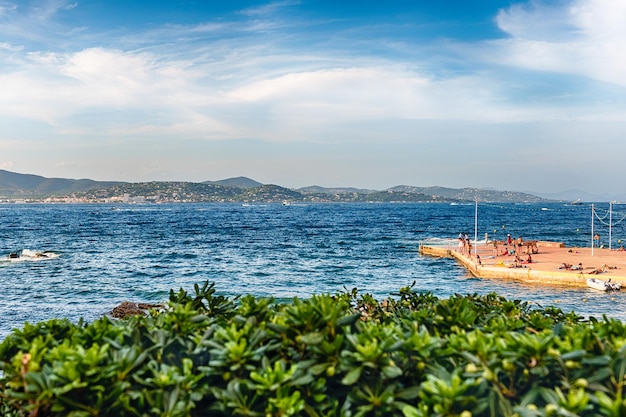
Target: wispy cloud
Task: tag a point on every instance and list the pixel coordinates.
(7, 7)
(10, 47)
(268, 8)
(35, 24)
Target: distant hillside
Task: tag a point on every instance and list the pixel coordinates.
(165, 191)
(271, 193)
(26, 185)
(239, 182)
(574, 195)
(334, 190)
(471, 194)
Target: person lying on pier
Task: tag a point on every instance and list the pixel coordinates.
(598, 270)
(578, 267)
(565, 266)
(528, 260)
(602, 269)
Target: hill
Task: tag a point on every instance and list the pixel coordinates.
(334, 190)
(32, 186)
(471, 194)
(239, 182)
(14, 186)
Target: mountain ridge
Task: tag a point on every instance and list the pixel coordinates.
(237, 189)
(16, 184)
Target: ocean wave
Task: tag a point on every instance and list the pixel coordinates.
(28, 255)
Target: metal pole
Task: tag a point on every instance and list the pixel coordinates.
(592, 208)
(476, 228)
(610, 222)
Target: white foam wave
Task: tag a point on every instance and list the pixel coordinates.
(28, 255)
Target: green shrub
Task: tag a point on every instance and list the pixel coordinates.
(348, 354)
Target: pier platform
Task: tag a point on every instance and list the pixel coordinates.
(546, 266)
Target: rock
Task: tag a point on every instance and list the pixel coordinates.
(127, 309)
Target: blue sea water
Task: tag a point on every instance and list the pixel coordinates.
(112, 253)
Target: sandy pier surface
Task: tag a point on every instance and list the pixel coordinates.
(546, 266)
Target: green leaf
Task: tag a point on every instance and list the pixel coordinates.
(392, 371)
(409, 393)
(353, 376)
(410, 411)
(348, 320)
(313, 338)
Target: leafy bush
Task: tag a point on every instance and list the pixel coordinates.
(347, 354)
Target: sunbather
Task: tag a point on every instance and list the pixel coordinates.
(598, 270)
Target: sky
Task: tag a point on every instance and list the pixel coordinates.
(507, 95)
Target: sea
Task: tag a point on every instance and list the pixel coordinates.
(96, 256)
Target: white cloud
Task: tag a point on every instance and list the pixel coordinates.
(10, 47)
(46, 9)
(7, 7)
(44, 58)
(268, 8)
(303, 101)
(585, 38)
(50, 86)
(140, 94)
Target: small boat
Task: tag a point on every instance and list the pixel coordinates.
(601, 285)
(577, 202)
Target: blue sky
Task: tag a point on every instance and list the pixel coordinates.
(511, 95)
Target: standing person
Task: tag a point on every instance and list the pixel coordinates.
(508, 240)
(596, 240)
(486, 238)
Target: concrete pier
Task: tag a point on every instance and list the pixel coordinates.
(545, 268)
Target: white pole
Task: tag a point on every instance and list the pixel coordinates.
(592, 213)
(476, 228)
(610, 222)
